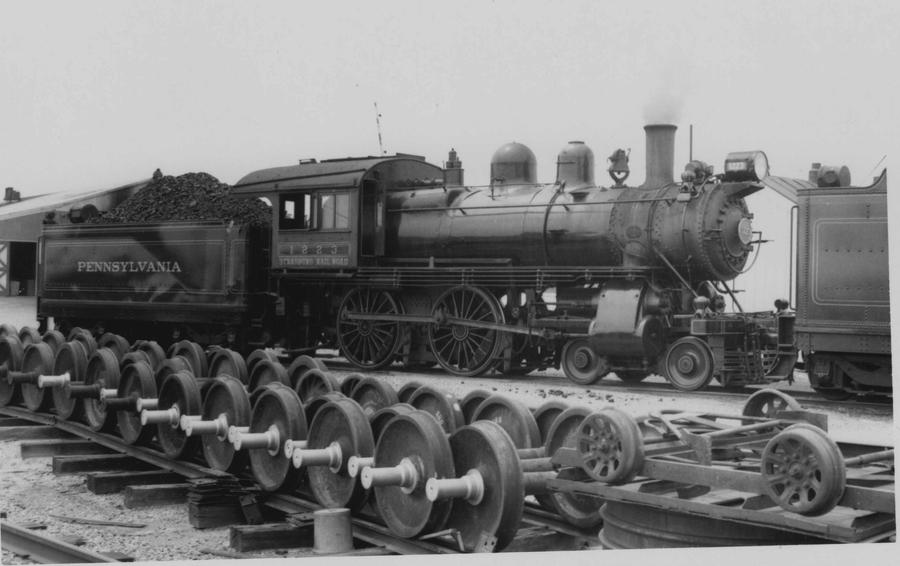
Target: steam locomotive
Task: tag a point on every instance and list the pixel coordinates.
(393, 259)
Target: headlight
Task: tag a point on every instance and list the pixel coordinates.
(746, 166)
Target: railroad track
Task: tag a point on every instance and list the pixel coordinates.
(366, 527)
(876, 404)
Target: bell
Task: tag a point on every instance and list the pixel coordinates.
(618, 168)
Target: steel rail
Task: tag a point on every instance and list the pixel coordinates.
(43, 549)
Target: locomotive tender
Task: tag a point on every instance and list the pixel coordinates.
(395, 259)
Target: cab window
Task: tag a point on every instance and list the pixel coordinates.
(295, 212)
(334, 211)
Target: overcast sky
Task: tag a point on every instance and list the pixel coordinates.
(96, 94)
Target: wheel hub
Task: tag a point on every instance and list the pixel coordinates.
(460, 333)
(582, 359)
(686, 363)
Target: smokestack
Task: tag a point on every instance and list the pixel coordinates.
(660, 154)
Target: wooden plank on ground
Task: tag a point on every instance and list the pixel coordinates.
(33, 432)
(114, 482)
(59, 447)
(136, 496)
(543, 539)
(245, 538)
(94, 463)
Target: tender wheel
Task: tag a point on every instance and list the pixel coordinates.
(546, 414)
(513, 417)
(226, 399)
(12, 353)
(442, 406)
(381, 417)
(136, 382)
(265, 372)
(611, 446)
(228, 362)
(463, 349)
(581, 363)
(38, 359)
(301, 365)
(578, 510)
(193, 353)
(471, 401)
(803, 470)
(29, 335)
(341, 421)
(688, 364)
(768, 402)
(54, 339)
(406, 391)
(314, 384)
(278, 410)
(72, 358)
(179, 391)
(483, 447)
(418, 442)
(369, 344)
(102, 371)
(373, 394)
(350, 382)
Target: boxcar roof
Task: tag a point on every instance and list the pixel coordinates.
(347, 172)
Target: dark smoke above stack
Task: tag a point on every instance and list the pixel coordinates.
(660, 155)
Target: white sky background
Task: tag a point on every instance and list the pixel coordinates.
(98, 94)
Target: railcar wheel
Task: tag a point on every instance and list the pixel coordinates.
(406, 391)
(29, 335)
(180, 391)
(72, 358)
(54, 339)
(38, 359)
(484, 449)
(341, 421)
(260, 355)
(266, 371)
(466, 349)
(301, 365)
(228, 362)
(12, 354)
(226, 399)
(373, 394)
(369, 344)
(194, 354)
(314, 384)
(279, 410)
(470, 402)
(768, 402)
(581, 363)
(382, 417)
(513, 417)
(102, 371)
(153, 352)
(417, 441)
(8, 330)
(442, 406)
(85, 338)
(350, 382)
(688, 364)
(611, 446)
(136, 382)
(803, 470)
(546, 414)
(117, 344)
(170, 366)
(578, 510)
(312, 406)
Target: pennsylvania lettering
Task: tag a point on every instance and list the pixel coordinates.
(129, 267)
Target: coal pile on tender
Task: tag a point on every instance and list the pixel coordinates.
(188, 197)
